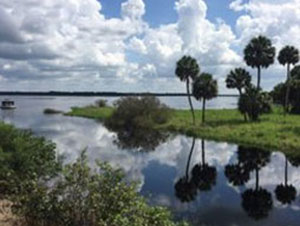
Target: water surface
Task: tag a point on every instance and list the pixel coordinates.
(213, 197)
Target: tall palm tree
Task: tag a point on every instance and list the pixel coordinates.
(238, 79)
(259, 53)
(205, 88)
(187, 69)
(287, 56)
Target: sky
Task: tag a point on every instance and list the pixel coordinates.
(133, 45)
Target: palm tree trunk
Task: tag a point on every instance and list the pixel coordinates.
(245, 115)
(286, 172)
(190, 99)
(287, 94)
(258, 76)
(203, 110)
(189, 159)
(203, 151)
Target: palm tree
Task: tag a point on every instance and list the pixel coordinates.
(259, 53)
(206, 88)
(238, 79)
(187, 69)
(286, 193)
(287, 56)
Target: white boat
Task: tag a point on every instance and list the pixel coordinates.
(7, 104)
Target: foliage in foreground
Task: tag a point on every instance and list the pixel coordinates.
(24, 157)
(85, 197)
(44, 193)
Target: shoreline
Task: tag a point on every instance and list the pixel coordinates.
(273, 132)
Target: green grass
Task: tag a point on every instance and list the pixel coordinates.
(92, 112)
(273, 131)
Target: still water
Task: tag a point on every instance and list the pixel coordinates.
(206, 182)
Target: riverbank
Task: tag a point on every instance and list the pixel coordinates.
(273, 132)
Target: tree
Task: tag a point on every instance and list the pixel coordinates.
(285, 193)
(287, 56)
(205, 88)
(295, 72)
(279, 92)
(259, 53)
(238, 79)
(187, 69)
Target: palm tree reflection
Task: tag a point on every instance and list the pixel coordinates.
(286, 193)
(204, 176)
(256, 202)
(185, 189)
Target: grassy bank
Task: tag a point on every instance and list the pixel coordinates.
(273, 131)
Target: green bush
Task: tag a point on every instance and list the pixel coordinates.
(138, 112)
(253, 103)
(82, 196)
(101, 103)
(24, 157)
(279, 92)
(52, 111)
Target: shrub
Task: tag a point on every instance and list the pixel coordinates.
(101, 103)
(253, 103)
(24, 157)
(135, 112)
(82, 196)
(52, 111)
(279, 92)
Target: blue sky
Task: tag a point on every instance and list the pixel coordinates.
(160, 12)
